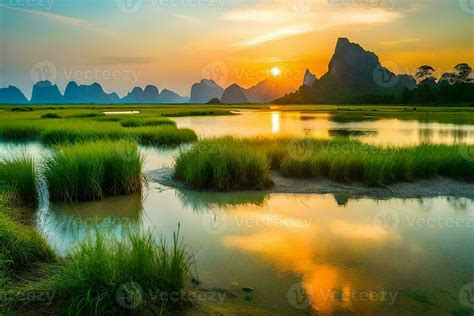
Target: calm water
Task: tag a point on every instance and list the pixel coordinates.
(385, 131)
(300, 253)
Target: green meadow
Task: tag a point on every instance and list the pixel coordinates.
(59, 126)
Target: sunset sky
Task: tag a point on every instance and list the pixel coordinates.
(174, 43)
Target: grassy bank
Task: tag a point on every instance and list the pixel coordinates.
(108, 277)
(90, 171)
(21, 248)
(229, 163)
(223, 165)
(18, 180)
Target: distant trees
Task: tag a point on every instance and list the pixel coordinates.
(461, 74)
(452, 87)
(425, 74)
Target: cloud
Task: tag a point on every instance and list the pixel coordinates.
(277, 34)
(185, 17)
(56, 18)
(263, 16)
(270, 23)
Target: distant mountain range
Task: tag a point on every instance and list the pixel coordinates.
(353, 75)
(44, 92)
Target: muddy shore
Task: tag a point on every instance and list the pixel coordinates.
(419, 189)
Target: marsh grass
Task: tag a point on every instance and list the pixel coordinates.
(90, 171)
(160, 135)
(225, 163)
(102, 275)
(21, 247)
(138, 122)
(18, 180)
(20, 130)
(166, 135)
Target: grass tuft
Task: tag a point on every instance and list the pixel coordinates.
(90, 171)
(104, 276)
(18, 180)
(223, 164)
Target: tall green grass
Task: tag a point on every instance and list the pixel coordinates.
(18, 180)
(229, 163)
(163, 135)
(90, 171)
(167, 135)
(20, 247)
(138, 122)
(104, 276)
(20, 130)
(149, 131)
(223, 164)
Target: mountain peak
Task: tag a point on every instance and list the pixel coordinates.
(309, 78)
(234, 94)
(204, 91)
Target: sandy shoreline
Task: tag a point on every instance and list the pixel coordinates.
(419, 189)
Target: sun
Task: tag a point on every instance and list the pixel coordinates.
(276, 72)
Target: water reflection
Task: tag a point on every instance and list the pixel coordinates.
(204, 201)
(369, 129)
(324, 246)
(276, 122)
(64, 225)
